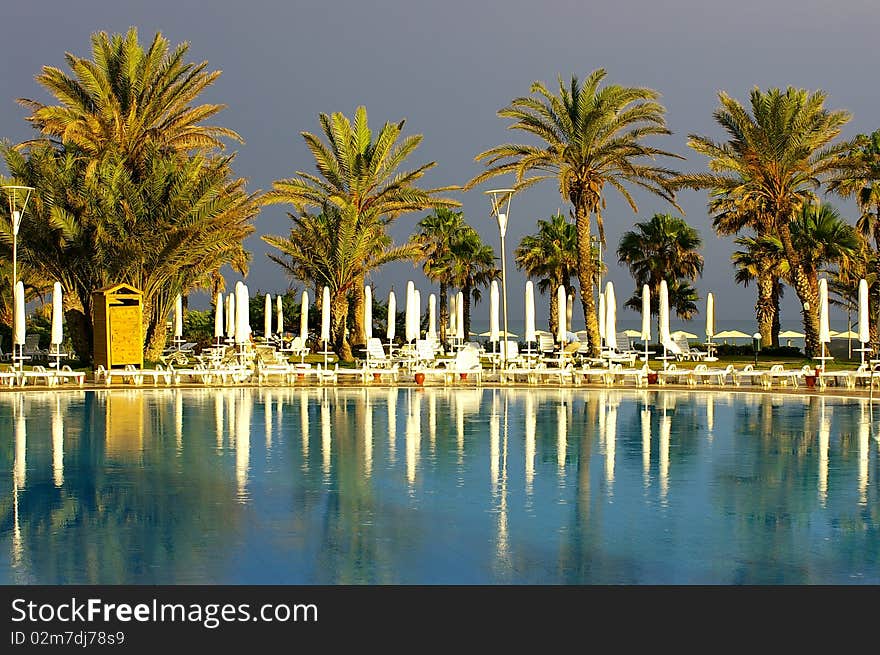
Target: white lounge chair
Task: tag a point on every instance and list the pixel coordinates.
(674, 374)
(703, 372)
(466, 363)
(779, 373)
(749, 372)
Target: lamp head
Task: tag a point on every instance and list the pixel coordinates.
(502, 223)
(16, 222)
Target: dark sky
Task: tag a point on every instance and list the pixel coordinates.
(448, 66)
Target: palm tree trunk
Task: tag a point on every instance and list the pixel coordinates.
(807, 289)
(156, 336)
(554, 312)
(444, 312)
(466, 310)
(586, 273)
(777, 290)
(765, 310)
(338, 317)
(359, 331)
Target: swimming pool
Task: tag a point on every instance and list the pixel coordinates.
(433, 486)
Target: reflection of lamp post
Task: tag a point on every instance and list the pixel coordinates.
(502, 214)
(14, 194)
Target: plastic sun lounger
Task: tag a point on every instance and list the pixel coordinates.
(849, 378)
(639, 375)
(466, 363)
(38, 372)
(672, 372)
(778, 372)
(8, 376)
(749, 372)
(703, 372)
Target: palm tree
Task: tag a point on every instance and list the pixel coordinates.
(861, 179)
(770, 166)
(129, 100)
(434, 240)
(663, 248)
(763, 263)
(359, 175)
(591, 138)
(472, 267)
(550, 256)
(334, 249)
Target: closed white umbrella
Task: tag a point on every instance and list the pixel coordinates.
(569, 310)
(230, 315)
(218, 317)
(279, 316)
(410, 321)
(453, 317)
(710, 315)
(560, 301)
(18, 327)
(178, 317)
(267, 317)
(368, 311)
(864, 320)
(432, 317)
(304, 318)
(325, 316)
(530, 313)
(242, 320)
(601, 316)
(459, 313)
(417, 312)
(494, 302)
(392, 313)
(57, 316)
(610, 316)
(665, 337)
(646, 313)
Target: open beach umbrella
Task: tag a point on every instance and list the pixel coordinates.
(178, 317)
(494, 300)
(530, 313)
(18, 335)
(846, 334)
(632, 333)
(368, 311)
(267, 317)
(560, 301)
(791, 334)
(645, 334)
(683, 334)
(57, 317)
(242, 320)
(218, 317)
(230, 315)
(610, 317)
(824, 330)
(459, 314)
(601, 317)
(710, 315)
(410, 321)
(733, 334)
(279, 316)
(392, 314)
(325, 316)
(864, 316)
(432, 316)
(304, 318)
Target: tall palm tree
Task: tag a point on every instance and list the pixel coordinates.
(358, 174)
(434, 240)
(550, 256)
(763, 263)
(663, 248)
(129, 100)
(473, 266)
(591, 137)
(774, 159)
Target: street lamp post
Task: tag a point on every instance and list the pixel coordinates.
(15, 194)
(501, 211)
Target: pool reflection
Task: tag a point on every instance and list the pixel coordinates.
(493, 486)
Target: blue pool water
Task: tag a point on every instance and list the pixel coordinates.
(335, 485)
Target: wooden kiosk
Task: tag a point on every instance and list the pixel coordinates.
(118, 326)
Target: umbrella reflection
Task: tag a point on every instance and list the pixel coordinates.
(326, 434)
(392, 424)
(413, 435)
(432, 419)
(646, 446)
(494, 443)
(20, 464)
(459, 426)
(864, 440)
(710, 414)
(531, 420)
(243, 443)
(610, 444)
(561, 438)
(178, 420)
(267, 404)
(218, 419)
(58, 444)
(665, 430)
(368, 435)
(824, 436)
(304, 425)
